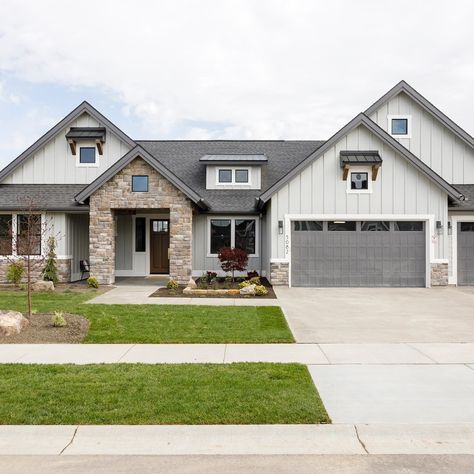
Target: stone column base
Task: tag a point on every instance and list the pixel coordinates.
(439, 274)
(279, 273)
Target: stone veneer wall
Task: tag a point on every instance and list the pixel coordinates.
(279, 273)
(439, 274)
(117, 194)
(64, 270)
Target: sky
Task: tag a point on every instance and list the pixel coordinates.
(233, 69)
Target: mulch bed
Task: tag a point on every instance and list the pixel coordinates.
(220, 284)
(41, 331)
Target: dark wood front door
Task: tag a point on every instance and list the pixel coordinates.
(159, 244)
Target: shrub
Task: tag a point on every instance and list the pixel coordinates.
(245, 283)
(255, 280)
(15, 272)
(252, 274)
(92, 282)
(50, 270)
(172, 285)
(210, 276)
(233, 259)
(58, 320)
(260, 290)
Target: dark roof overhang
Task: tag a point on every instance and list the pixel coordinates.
(233, 159)
(355, 157)
(86, 133)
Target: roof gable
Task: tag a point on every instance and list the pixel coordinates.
(363, 120)
(425, 104)
(139, 152)
(85, 107)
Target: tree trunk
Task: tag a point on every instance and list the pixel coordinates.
(28, 284)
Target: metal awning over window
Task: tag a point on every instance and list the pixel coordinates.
(360, 158)
(96, 134)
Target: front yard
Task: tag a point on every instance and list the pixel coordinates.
(159, 394)
(160, 324)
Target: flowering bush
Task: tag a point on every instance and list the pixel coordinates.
(252, 274)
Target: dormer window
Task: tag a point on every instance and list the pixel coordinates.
(399, 126)
(225, 176)
(233, 176)
(87, 155)
(242, 176)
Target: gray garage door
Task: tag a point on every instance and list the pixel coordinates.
(466, 253)
(358, 254)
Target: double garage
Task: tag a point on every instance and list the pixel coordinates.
(369, 253)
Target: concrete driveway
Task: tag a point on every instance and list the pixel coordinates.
(379, 315)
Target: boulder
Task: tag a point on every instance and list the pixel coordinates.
(248, 290)
(12, 322)
(191, 284)
(42, 285)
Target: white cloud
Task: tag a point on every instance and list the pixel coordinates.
(8, 96)
(266, 69)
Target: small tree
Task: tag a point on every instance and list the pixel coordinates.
(50, 270)
(233, 259)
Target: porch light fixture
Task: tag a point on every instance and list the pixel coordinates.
(450, 228)
(280, 227)
(439, 227)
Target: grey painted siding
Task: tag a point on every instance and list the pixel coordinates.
(55, 164)
(78, 242)
(430, 140)
(201, 262)
(319, 189)
(124, 243)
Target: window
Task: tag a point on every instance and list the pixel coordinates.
(241, 176)
(140, 184)
(399, 126)
(6, 234)
(220, 234)
(409, 226)
(338, 226)
(233, 176)
(233, 232)
(245, 235)
(375, 226)
(87, 155)
(29, 234)
(159, 226)
(308, 226)
(467, 227)
(140, 234)
(225, 176)
(359, 181)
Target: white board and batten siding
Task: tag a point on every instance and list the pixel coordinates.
(398, 190)
(55, 164)
(430, 140)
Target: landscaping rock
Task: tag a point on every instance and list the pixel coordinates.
(191, 284)
(41, 285)
(12, 322)
(248, 290)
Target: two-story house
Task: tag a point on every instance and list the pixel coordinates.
(388, 200)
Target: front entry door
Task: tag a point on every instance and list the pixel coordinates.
(159, 244)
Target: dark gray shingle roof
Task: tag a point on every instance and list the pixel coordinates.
(468, 192)
(86, 132)
(183, 159)
(52, 197)
(360, 157)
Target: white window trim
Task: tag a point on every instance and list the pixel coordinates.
(399, 116)
(44, 237)
(78, 155)
(232, 232)
(430, 232)
(359, 169)
(233, 169)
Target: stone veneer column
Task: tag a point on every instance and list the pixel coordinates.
(101, 243)
(181, 224)
(279, 273)
(439, 274)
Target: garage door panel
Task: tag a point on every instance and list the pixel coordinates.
(359, 258)
(465, 253)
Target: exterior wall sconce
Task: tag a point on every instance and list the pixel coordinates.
(450, 228)
(439, 227)
(280, 227)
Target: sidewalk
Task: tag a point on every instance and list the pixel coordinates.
(310, 354)
(238, 439)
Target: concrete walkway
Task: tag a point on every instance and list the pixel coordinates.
(237, 439)
(140, 294)
(347, 355)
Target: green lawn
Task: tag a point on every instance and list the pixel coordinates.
(162, 323)
(159, 394)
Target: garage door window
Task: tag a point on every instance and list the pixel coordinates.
(409, 226)
(342, 226)
(375, 226)
(308, 225)
(467, 226)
